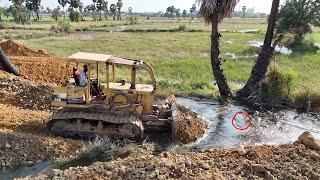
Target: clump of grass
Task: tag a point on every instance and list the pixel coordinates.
(100, 149)
(307, 101)
(182, 28)
(275, 88)
(306, 47)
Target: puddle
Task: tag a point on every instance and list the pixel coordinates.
(282, 128)
(24, 171)
(231, 41)
(234, 56)
(279, 49)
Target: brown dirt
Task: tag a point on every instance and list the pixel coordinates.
(11, 48)
(27, 149)
(36, 66)
(41, 69)
(191, 128)
(25, 94)
(293, 161)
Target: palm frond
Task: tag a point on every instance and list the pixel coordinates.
(220, 8)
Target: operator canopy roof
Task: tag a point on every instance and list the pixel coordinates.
(91, 58)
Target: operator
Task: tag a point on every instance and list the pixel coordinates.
(76, 76)
(84, 76)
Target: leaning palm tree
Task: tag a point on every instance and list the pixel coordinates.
(260, 68)
(213, 12)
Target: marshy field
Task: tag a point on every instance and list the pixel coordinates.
(178, 51)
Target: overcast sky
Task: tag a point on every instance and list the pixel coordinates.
(161, 5)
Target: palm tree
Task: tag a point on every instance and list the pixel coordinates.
(75, 4)
(213, 12)
(94, 9)
(119, 6)
(63, 3)
(100, 6)
(261, 66)
(113, 9)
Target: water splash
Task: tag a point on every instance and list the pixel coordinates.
(268, 128)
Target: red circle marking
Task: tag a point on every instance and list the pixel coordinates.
(247, 116)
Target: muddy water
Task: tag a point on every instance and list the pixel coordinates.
(280, 49)
(24, 171)
(268, 128)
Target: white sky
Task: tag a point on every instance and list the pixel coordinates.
(161, 5)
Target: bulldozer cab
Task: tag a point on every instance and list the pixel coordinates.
(102, 87)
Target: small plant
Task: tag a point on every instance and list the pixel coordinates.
(131, 20)
(182, 28)
(307, 101)
(276, 87)
(64, 26)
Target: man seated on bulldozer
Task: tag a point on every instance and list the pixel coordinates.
(76, 76)
(83, 80)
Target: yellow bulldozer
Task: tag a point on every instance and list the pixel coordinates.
(115, 108)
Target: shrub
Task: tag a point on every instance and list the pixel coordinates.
(75, 16)
(307, 101)
(64, 26)
(182, 28)
(276, 87)
(131, 20)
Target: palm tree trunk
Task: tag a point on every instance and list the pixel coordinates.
(216, 61)
(64, 14)
(261, 67)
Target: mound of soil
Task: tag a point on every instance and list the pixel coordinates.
(41, 69)
(25, 94)
(11, 48)
(14, 119)
(26, 149)
(292, 161)
(191, 127)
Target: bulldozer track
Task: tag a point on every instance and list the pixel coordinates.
(93, 122)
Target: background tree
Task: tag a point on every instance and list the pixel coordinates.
(34, 6)
(170, 11)
(296, 17)
(261, 66)
(74, 14)
(113, 10)
(184, 14)
(244, 8)
(63, 3)
(56, 13)
(130, 10)
(81, 10)
(100, 7)
(106, 9)
(119, 6)
(18, 11)
(193, 11)
(178, 14)
(49, 11)
(94, 8)
(213, 12)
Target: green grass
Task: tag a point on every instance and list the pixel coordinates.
(182, 59)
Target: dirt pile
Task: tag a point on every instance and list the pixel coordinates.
(11, 48)
(191, 127)
(35, 66)
(19, 149)
(25, 94)
(14, 119)
(41, 69)
(293, 161)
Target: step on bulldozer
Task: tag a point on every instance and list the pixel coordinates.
(115, 108)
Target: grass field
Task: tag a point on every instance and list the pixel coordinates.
(181, 59)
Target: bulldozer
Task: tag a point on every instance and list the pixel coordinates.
(108, 106)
